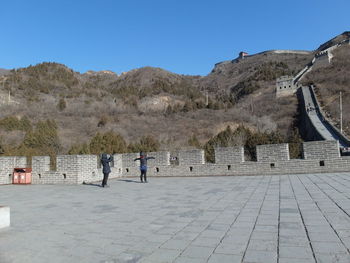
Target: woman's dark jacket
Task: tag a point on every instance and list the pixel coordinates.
(105, 163)
(143, 161)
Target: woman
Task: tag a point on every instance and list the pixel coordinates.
(143, 166)
(106, 169)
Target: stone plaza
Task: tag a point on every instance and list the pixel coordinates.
(259, 219)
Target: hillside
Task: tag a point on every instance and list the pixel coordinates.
(338, 39)
(177, 110)
(3, 71)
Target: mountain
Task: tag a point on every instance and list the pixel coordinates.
(3, 71)
(336, 40)
(153, 101)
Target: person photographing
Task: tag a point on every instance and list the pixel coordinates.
(106, 169)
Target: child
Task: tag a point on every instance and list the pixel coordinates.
(143, 166)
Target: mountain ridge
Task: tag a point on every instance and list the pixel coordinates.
(151, 100)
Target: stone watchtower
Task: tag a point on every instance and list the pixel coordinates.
(242, 54)
(285, 86)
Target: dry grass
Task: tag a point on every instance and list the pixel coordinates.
(97, 97)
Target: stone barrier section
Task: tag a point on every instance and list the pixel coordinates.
(128, 160)
(229, 155)
(7, 164)
(88, 168)
(294, 166)
(4, 216)
(54, 177)
(319, 157)
(40, 164)
(321, 150)
(191, 157)
(161, 158)
(272, 152)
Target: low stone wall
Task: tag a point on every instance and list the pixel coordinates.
(295, 166)
(4, 216)
(7, 164)
(319, 156)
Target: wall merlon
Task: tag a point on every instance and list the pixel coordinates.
(228, 155)
(191, 157)
(318, 150)
(272, 152)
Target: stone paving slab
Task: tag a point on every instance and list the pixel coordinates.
(287, 218)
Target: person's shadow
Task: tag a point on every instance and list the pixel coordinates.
(129, 181)
(92, 184)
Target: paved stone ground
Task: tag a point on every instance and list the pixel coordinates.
(289, 218)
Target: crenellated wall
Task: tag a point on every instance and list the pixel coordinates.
(319, 156)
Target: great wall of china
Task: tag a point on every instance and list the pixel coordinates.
(323, 155)
(318, 157)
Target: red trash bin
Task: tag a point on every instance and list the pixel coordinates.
(22, 176)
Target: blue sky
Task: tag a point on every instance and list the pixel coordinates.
(182, 36)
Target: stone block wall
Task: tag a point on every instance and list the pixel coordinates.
(320, 156)
(285, 86)
(161, 158)
(87, 166)
(54, 177)
(227, 155)
(272, 152)
(40, 164)
(73, 169)
(128, 160)
(321, 150)
(191, 157)
(322, 61)
(7, 164)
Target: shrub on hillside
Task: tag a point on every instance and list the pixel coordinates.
(42, 140)
(193, 141)
(239, 137)
(12, 123)
(61, 105)
(103, 121)
(109, 142)
(79, 149)
(2, 147)
(146, 143)
(44, 137)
